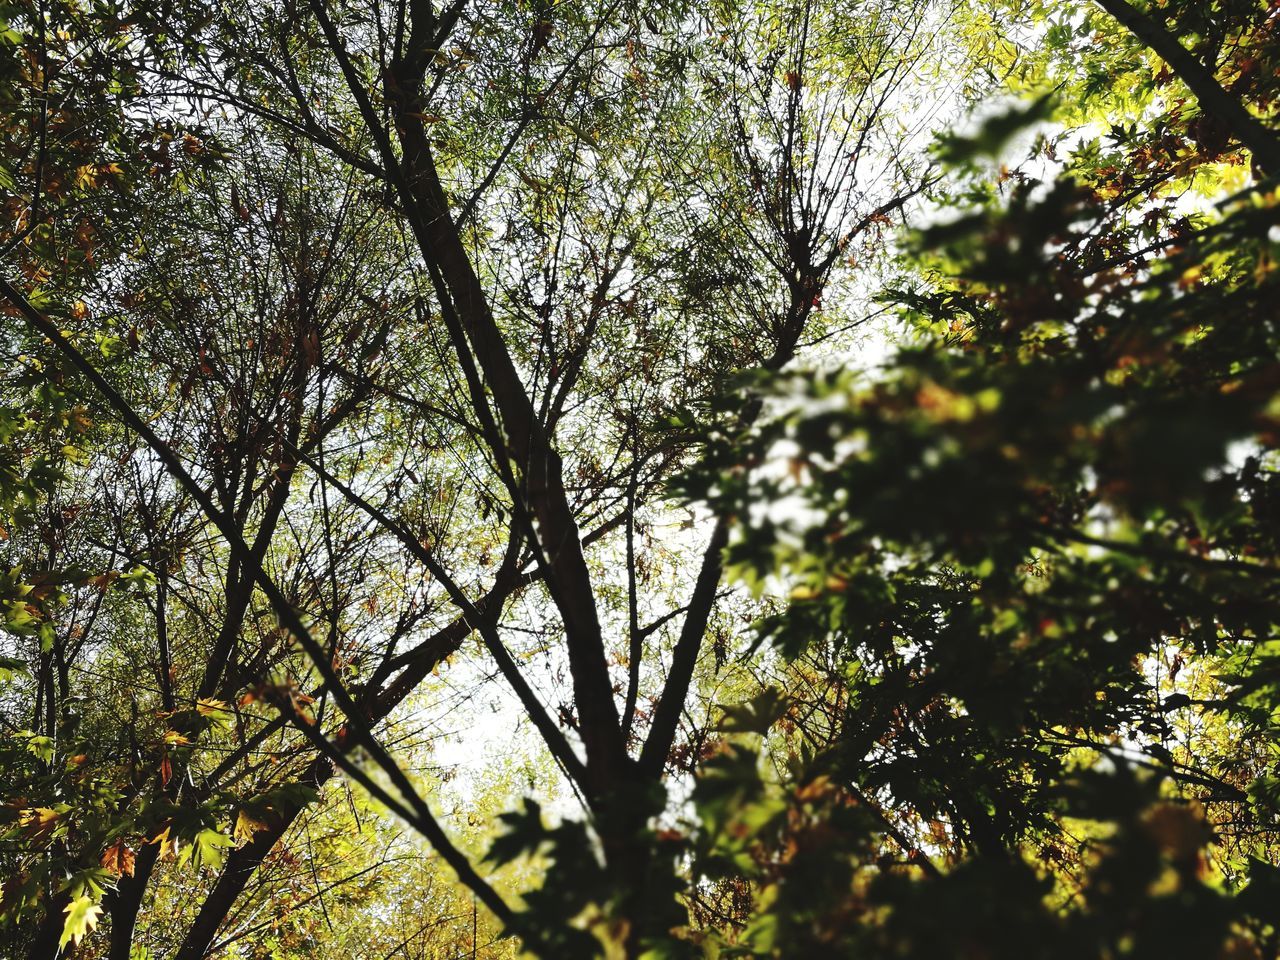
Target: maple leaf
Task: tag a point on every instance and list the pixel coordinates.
(208, 849)
(39, 822)
(118, 859)
(247, 825)
(82, 916)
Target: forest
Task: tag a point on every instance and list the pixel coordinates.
(639, 479)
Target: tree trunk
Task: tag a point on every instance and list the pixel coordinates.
(123, 905)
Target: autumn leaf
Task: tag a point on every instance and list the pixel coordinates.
(215, 710)
(167, 842)
(247, 825)
(118, 859)
(39, 822)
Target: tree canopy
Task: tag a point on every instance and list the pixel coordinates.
(584, 478)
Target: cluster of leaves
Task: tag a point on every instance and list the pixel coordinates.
(822, 882)
(1038, 545)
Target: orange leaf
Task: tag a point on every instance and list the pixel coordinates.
(118, 859)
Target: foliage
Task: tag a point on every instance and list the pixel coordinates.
(409, 409)
(1033, 547)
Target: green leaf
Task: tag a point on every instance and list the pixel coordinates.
(756, 715)
(525, 834)
(208, 849)
(995, 132)
(82, 916)
(90, 882)
(38, 746)
(10, 668)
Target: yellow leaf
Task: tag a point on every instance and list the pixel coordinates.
(217, 711)
(39, 821)
(82, 916)
(247, 826)
(168, 844)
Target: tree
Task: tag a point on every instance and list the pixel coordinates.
(380, 339)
